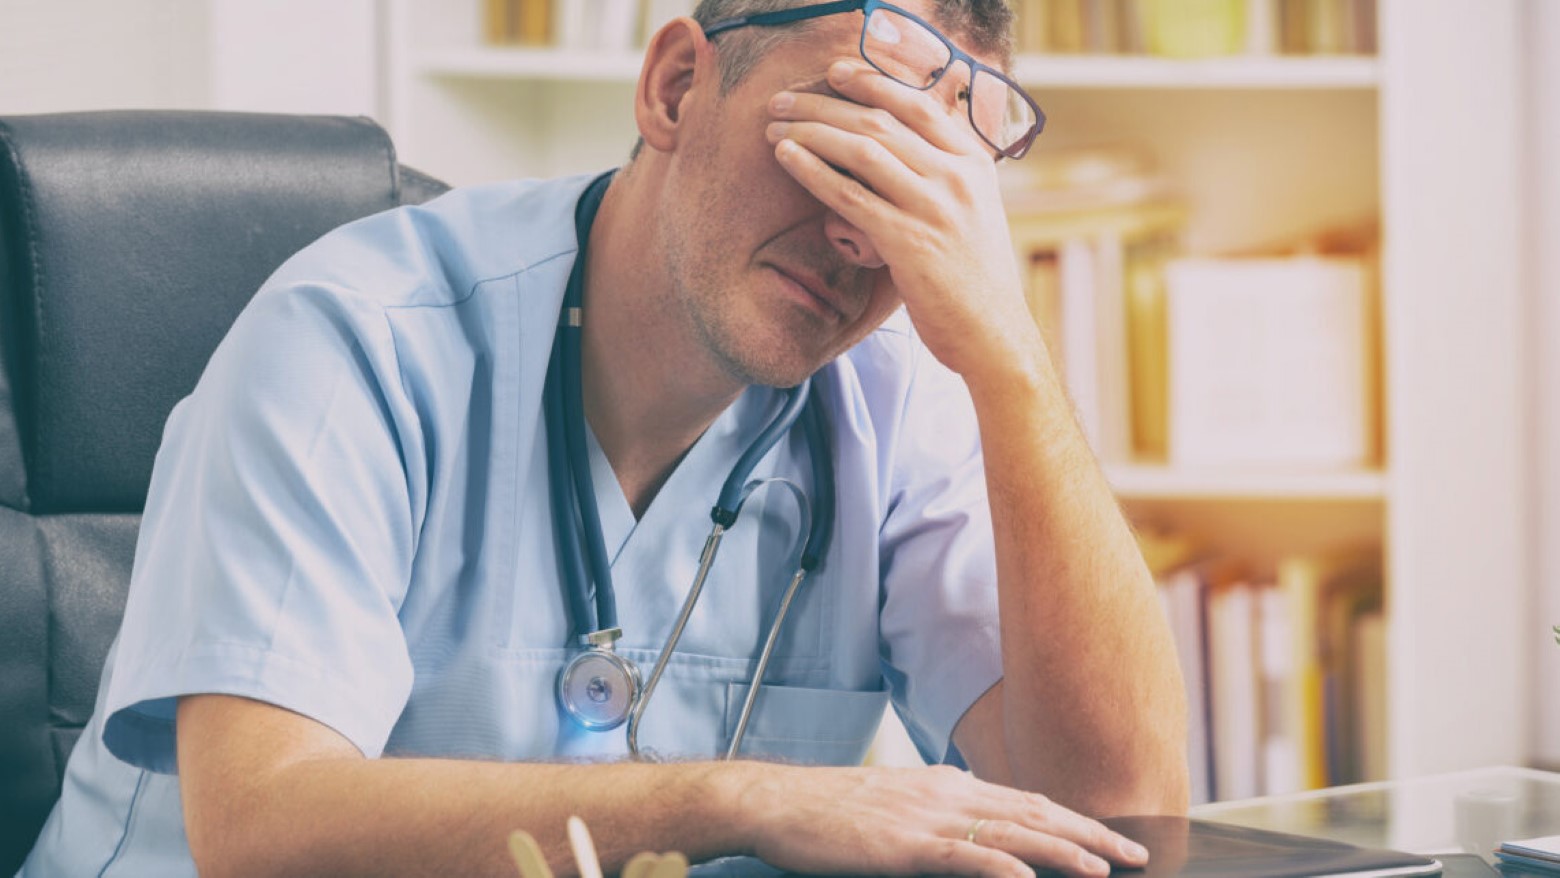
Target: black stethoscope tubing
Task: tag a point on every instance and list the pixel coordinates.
(582, 555)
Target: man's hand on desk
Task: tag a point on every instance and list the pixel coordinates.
(938, 820)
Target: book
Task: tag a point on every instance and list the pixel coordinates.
(1352, 658)
(1112, 363)
(1031, 26)
(1146, 346)
(1532, 853)
(1205, 849)
(1043, 294)
(1080, 332)
(1066, 26)
(1282, 766)
(534, 23)
(1270, 362)
(498, 21)
(1130, 39)
(1232, 658)
(1184, 598)
(1261, 27)
(1301, 583)
(1370, 686)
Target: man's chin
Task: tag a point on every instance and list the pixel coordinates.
(787, 371)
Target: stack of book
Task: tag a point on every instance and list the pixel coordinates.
(579, 25)
(1325, 27)
(1242, 361)
(1094, 228)
(1285, 674)
(1170, 28)
(1196, 28)
(1534, 855)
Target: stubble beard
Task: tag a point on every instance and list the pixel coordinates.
(736, 349)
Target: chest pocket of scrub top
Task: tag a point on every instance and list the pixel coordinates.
(795, 724)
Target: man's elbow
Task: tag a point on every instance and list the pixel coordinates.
(1152, 779)
(217, 840)
(1163, 790)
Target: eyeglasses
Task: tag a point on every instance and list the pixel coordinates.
(908, 50)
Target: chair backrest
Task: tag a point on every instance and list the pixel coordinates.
(129, 242)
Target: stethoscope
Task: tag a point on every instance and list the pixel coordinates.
(598, 688)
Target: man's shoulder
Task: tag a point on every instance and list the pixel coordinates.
(440, 252)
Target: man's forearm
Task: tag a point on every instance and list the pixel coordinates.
(425, 816)
(269, 792)
(1094, 713)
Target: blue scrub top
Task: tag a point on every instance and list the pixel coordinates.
(349, 518)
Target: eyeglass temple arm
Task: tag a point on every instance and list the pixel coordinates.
(783, 16)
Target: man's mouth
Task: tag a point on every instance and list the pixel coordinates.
(815, 288)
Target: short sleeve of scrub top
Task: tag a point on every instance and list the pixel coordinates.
(278, 546)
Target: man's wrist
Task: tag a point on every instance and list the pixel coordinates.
(1024, 377)
(721, 798)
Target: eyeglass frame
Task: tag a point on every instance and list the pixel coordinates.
(818, 10)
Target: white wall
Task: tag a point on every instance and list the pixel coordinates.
(296, 56)
(58, 55)
(1543, 217)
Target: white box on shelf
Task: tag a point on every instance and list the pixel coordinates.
(1269, 362)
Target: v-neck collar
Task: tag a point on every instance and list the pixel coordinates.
(695, 481)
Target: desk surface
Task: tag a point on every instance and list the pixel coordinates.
(1417, 815)
(1408, 815)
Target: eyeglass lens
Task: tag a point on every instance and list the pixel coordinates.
(907, 51)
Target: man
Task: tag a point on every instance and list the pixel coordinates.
(347, 552)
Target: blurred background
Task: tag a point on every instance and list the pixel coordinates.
(1297, 260)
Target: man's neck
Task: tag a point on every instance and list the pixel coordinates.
(649, 390)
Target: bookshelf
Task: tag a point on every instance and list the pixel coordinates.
(567, 65)
(1134, 482)
(1264, 149)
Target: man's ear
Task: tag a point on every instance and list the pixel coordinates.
(676, 53)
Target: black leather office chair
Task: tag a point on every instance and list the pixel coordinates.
(129, 241)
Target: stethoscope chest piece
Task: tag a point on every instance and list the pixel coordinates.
(598, 687)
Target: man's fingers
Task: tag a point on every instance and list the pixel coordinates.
(879, 124)
(947, 856)
(1043, 815)
(1040, 849)
(852, 199)
(862, 157)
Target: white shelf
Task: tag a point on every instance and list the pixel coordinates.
(1140, 482)
(1237, 72)
(1075, 71)
(561, 65)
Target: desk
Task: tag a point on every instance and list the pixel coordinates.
(1416, 815)
(1408, 815)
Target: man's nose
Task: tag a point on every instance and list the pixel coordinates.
(851, 242)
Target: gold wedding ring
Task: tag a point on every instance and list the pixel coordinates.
(974, 830)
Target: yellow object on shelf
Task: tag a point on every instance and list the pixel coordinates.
(1195, 28)
(533, 25)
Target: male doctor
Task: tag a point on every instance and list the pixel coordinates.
(347, 621)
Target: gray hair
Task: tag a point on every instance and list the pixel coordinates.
(986, 26)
